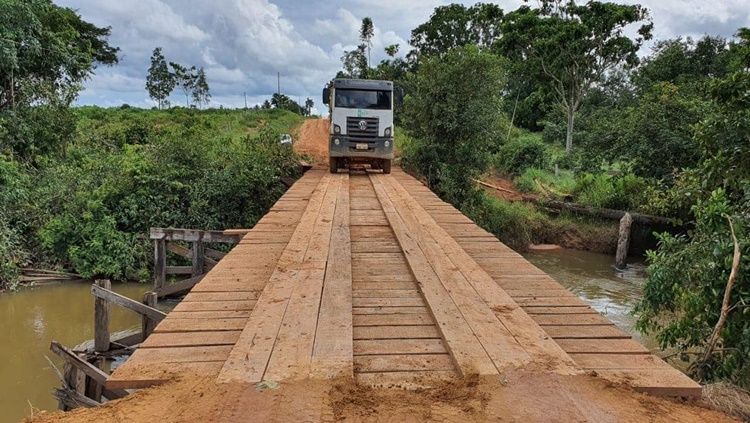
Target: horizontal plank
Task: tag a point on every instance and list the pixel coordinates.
(664, 383)
(601, 346)
(560, 310)
(222, 296)
(199, 325)
(571, 320)
(230, 314)
(191, 235)
(182, 354)
(384, 286)
(538, 293)
(586, 332)
(132, 375)
(393, 320)
(620, 361)
(399, 346)
(185, 339)
(407, 362)
(570, 301)
(396, 332)
(215, 305)
(388, 302)
(386, 293)
(126, 302)
(389, 310)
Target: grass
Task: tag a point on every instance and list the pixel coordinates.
(565, 184)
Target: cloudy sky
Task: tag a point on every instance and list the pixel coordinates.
(242, 44)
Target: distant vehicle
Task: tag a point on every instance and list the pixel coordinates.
(286, 140)
(361, 122)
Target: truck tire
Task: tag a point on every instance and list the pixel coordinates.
(333, 165)
(386, 167)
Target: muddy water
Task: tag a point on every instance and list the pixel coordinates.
(592, 277)
(29, 321)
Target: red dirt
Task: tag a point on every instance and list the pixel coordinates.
(313, 139)
(516, 396)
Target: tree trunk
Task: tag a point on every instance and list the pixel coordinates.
(569, 135)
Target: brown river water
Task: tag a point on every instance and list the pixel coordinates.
(32, 318)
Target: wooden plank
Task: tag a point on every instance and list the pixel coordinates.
(101, 320)
(523, 339)
(467, 352)
(407, 362)
(179, 288)
(602, 346)
(231, 314)
(143, 375)
(126, 302)
(221, 296)
(389, 310)
(179, 270)
(388, 302)
(406, 380)
(215, 305)
(199, 325)
(191, 235)
(248, 360)
(621, 362)
(560, 310)
(571, 320)
(571, 301)
(387, 293)
(399, 346)
(147, 325)
(182, 354)
(160, 263)
(384, 286)
(395, 332)
(664, 383)
(393, 320)
(332, 352)
(292, 353)
(194, 339)
(86, 368)
(586, 332)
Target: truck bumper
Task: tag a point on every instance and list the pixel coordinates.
(347, 147)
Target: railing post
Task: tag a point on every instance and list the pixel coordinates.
(160, 263)
(199, 251)
(101, 320)
(147, 324)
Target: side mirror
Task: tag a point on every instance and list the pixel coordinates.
(400, 96)
(326, 95)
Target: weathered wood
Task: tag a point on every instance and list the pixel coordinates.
(191, 235)
(601, 213)
(70, 400)
(147, 324)
(101, 320)
(623, 242)
(126, 302)
(179, 288)
(198, 251)
(407, 362)
(84, 366)
(179, 270)
(160, 263)
(398, 346)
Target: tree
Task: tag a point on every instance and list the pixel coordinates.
(392, 50)
(160, 82)
(186, 79)
(309, 103)
(454, 119)
(567, 48)
(455, 26)
(366, 32)
(355, 63)
(201, 91)
(282, 101)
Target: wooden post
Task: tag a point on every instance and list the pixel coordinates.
(160, 263)
(623, 243)
(95, 390)
(147, 324)
(101, 319)
(199, 251)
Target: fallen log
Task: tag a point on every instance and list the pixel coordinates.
(601, 213)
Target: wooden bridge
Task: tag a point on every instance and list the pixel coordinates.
(373, 276)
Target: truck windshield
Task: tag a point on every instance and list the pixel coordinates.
(361, 99)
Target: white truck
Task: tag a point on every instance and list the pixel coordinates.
(361, 122)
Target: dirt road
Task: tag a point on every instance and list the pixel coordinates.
(312, 140)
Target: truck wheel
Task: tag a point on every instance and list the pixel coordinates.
(333, 165)
(386, 167)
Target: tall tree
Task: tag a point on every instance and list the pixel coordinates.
(185, 78)
(160, 82)
(366, 32)
(392, 50)
(355, 63)
(568, 48)
(201, 91)
(309, 103)
(455, 26)
(47, 52)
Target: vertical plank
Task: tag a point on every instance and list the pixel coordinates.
(160, 263)
(101, 319)
(333, 350)
(147, 325)
(199, 251)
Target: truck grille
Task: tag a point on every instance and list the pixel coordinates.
(353, 127)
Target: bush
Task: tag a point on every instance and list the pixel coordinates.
(521, 153)
(510, 222)
(564, 184)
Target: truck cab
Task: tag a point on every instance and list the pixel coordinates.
(361, 122)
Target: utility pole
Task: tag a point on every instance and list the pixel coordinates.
(278, 75)
(245, 100)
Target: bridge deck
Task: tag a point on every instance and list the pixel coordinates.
(373, 276)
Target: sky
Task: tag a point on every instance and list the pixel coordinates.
(243, 44)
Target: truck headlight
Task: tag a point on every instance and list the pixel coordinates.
(387, 144)
(336, 130)
(388, 132)
(337, 141)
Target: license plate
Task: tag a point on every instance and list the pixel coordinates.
(363, 146)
